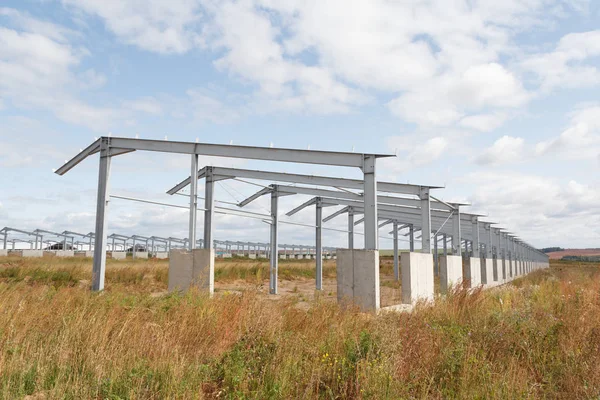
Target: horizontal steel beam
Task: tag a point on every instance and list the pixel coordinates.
(124, 145)
(357, 184)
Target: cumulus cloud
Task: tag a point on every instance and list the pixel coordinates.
(505, 150)
(568, 65)
(580, 140)
(541, 210)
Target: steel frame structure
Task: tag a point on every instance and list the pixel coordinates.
(369, 200)
(108, 147)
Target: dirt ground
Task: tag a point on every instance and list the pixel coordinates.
(304, 289)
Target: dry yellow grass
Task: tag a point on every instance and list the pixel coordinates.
(537, 338)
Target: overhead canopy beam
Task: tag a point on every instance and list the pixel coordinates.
(399, 201)
(357, 184)
(124, 145)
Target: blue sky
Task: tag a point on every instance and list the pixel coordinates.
(498, 101)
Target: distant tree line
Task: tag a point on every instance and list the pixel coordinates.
(551, 249)
(582, 258)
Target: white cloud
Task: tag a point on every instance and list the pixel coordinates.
(541, 210)
(443, 61)
(449, 97)
(505, 150)
(484, 122)
(147, 105)
(410, 155)
(566, 65)
(580, 140)
(153, 25)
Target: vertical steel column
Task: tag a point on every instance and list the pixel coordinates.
(4, 240)
(490, 255)
(425, 221)
(318, 243)
(445, 244)
(475, 246)
(396, 269)
(456, 239)
(99, 266)
(370, 194)
(436, 256)
(193, 200)
(133, 249)
(411, 237)
(274, 257)
(209, 205)
(350, 228)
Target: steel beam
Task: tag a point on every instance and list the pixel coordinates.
(209, 206)
(318, 243)
(274, 258)
(193, 201)
(99, 266)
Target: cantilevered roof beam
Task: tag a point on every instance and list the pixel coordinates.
(231, 173)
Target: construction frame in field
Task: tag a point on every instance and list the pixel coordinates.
(109, 147)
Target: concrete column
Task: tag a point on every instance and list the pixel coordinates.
(274, 259)
(99, 265)
(319, 245)
(450, 272)
(396, 266)
(417, 277)
(357, 280)
(209, 206)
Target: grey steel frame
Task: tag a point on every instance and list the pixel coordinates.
(109, 147)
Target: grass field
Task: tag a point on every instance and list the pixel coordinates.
(538, 337)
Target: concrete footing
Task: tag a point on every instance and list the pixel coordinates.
(358, 278)
(3, 252)
(84, 253)
(487, 272)
(32, 253)
(65, 253)
(417, 277)
(472, 272)
(161, 255)
(118, 255)
(450, 272)
(192, 268)
(141, 254)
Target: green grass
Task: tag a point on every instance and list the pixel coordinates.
(538, 337)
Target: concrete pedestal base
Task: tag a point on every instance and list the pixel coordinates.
(450, 272)
(472, 272)
(3, 252)
(282, 256)
(86, 254)
(358, 278)
(227, 255)
(32, 253)
(417, 277)
(65, 253)
(192, 268)
(487, 272)
(252, 256)
(118, 255)
(161, 255)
